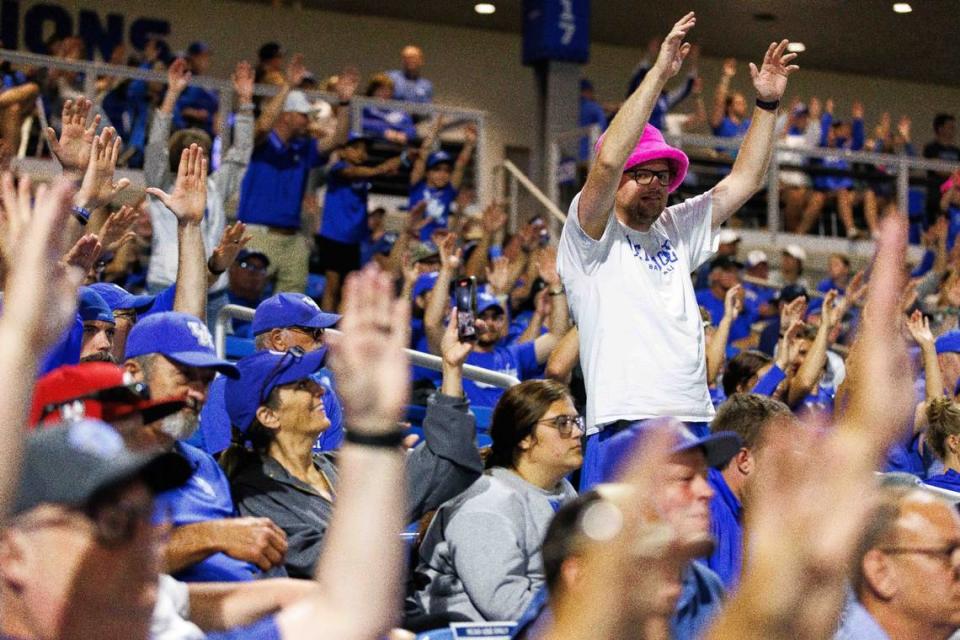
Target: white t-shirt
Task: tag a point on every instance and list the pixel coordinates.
(642, 346)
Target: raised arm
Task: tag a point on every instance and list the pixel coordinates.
(597, 197)
(720, 96)
(812, 368)
(746, 176)
(39, 304)
(420, 164)
(188, 203)
(469, 142)
(433, 315)
(564, 357)
(919, 327)
(345, 89)
(273, 107)
(717, 347)
(559, 316)
(494, 219)
(361, 566)
(227, 178)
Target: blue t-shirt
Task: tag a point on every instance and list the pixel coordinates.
(378, 120)
(370, 248)
(205, 496)
(519, 360)
(410, 89)
(726, 529)
(741, 326)
(196, 98)
(827, 284)
(438, 206)
(273, 185)
(344, 206)
(949, 480)
(730, 129)
(264, 629)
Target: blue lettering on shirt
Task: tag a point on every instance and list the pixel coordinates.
(664, 260)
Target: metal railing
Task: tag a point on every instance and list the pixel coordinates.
(516, 178)
(418, 358)
(224, 88)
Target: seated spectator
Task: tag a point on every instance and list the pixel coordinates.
(837, 135)
(748, 415)
(480, 558)
(378, 244)
(797, 133)
(270, 59)
(173, 354)
(942, 147)
(436, 179)
(408, 84)
(839, 274)
(729, 118)
(520, 360)
(724, 275)
(99, 327)
(757, 266)
(689, 593)
(943, 436)
(790, 272)
(277, 411)
(729, 246)
(756, 372)
(127, 308)
(196, 106)
(667, 99)
(905, 575)
(345, 213)
(385, 123)
(248, 281)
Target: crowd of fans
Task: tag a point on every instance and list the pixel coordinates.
(691, 451)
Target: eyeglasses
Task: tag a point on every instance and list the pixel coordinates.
(314, 332)
(565, 424)
(949, 551)
(290, 358)
(643, 177)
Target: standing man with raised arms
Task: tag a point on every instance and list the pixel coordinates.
(625, 258)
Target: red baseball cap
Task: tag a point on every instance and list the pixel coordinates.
(96, 390)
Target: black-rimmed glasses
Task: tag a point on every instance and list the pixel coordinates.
(565, 424)
(643, 177)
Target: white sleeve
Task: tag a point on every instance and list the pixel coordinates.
(578, 252)
(692, 221)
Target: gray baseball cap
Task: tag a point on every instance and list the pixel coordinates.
(71, 464)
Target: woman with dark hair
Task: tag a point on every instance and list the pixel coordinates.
(480, 558)
(277, 412)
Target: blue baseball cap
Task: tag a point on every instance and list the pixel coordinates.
(118, 298)
(355, 136)
(197, 48)
(486, 301)
(425, 283)
(252, 253)
(948, 342)
(261, 373)
(291, 310)
(717, 447)
(180, 337)
(93, 307)
(438, 157)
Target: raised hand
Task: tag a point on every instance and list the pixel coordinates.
(674, 49)
(296, 70)
(76, 135)
(368, 358)
(498, 277)
(903, 127)
(828, 313)
(856, 110)
(733, 302)
(84, 253)
(494, 218)
(98, 187)
(547, 266)
(729, 68)
(449, 252)
(117, 229)
(234, 239)
(770, 80)
(178, 76)
(189, 198)
(919, 327)
(347, 84)
(793, 311)
(40, 292)
(788, 348)
(243, 82)
(452, 350)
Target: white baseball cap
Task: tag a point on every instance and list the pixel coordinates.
(729, 236)
(795, 251)
(756, 257)
(296, 102)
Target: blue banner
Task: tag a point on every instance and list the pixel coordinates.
(556, 30)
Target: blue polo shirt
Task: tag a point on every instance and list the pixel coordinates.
(726, 528)
(273, 185)
(519, 360)
(438, 206)
(205, 496)
(344, 206)
(410, 89)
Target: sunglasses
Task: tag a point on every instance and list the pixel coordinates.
(289, 359)
(314, 332)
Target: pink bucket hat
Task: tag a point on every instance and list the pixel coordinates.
(652, 146)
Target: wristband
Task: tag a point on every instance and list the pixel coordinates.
(81, 214)
(768, 106)
(343, 103)
(246, 106)
(390, 440)
(214, 271)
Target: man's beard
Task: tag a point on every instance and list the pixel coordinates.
(180, 425)
(100, 356)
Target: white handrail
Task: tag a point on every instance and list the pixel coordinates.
(535, 191)
(418, 358)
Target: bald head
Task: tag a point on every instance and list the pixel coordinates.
(412, 58)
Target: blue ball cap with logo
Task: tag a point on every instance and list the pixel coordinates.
(261, 373)
(291, 310)
(486, 301)
(718, 448)
(425, 283)
(438, 157)
(93, 307)
(118, 298)
(179, 337)
(948, 342)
